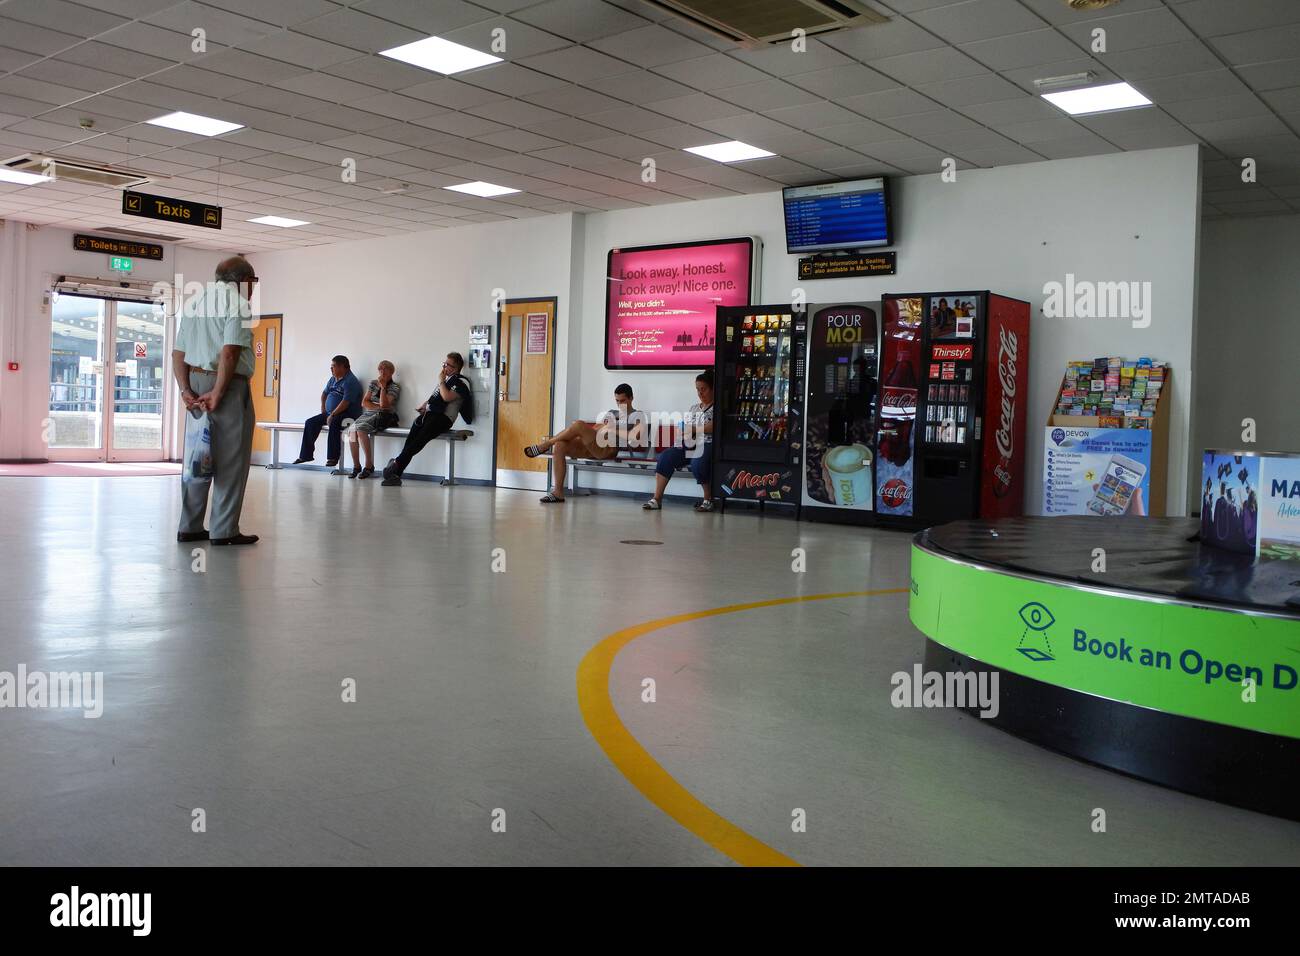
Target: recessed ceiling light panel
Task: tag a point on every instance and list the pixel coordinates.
(279, 221)
(193, 123)
(440, 56)
(730, 152)
(22, 179)
(1097, 99)
(486, 190)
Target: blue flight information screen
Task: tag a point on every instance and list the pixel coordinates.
(850, 215)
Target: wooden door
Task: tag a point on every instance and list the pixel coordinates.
(525, 366)
(265, 384)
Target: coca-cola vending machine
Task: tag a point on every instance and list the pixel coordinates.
(954, 373)
(758, 402)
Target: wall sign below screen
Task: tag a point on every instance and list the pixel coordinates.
(849, 267)
(661, 301)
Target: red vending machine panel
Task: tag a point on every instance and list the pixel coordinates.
(1002, 492)
(902, 326)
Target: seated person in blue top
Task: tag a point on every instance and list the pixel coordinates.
(340, 404)
(622, 428)
(436, 416)
(695, 447)
(380, 404)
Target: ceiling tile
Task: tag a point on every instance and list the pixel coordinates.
(1259, 46)
(1130, 30)
(972, 90)
(283, 13)
(396, 106)
(977, 20)
(577, 64)
(1272, 76)
(698, 106)
(651, 46)
(510, 79)
(768, 95)
(892, 38)
(580, 20)
(326, 86)
(842, 81)
(641, 86)
(714, 72)
(1218, 108)
(518, 140)
(515, 113)
(1054, 11)
(931, 66)
(1021, 49)
(1023, 109)
(1212, 18)
(1171, 59)
(1075, 146)
(429, 18)
(634, 119)
(358, 31)
(573, 130)
(302, 50)
(574, 100)
(522, 40)
(62, 16)
(1191, 86)
(858, 134)
(203, 82)
(453, 94)
(812, 116)
(220, 26)
(887, 103)
(458, 124)
(379, 72)
(781, 59)
(345, 117)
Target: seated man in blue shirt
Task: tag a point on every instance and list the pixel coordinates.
(340, 404)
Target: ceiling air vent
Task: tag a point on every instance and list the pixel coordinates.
(1090, 4)
(756, 22)
(76, 171)
(140, 234)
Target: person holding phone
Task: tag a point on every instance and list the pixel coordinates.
(622, 428)
(436, 416)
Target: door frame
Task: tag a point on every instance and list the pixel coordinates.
(496, 364)
(257, 320)
(106, 452)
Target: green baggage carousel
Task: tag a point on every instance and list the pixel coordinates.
(1125, 643)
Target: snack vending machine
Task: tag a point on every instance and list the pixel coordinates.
(758, 419)
(951, 421)
(840, 412)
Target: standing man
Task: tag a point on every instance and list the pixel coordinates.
(340, 404)
(436, 416)
(212, 362)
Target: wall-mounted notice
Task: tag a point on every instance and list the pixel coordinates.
(661, 301)
(536, 340)
(1279, 507)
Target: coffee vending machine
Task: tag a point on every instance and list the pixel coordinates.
(840, 412)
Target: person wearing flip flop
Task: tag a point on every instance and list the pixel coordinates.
(697, 431)
(436, 416)
(622, 428)
(380, 412)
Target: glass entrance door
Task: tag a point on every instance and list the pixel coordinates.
(108, 380)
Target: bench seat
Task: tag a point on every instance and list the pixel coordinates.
(452, 438)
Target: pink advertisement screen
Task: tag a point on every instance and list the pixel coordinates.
(659, 308)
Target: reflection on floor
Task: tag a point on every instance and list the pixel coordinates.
(460, 617)
(89, 469)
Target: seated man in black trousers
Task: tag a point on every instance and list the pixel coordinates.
(340, 403)
(436, 416)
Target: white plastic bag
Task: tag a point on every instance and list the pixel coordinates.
(198, 447)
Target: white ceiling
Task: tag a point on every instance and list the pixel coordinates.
(590, 88)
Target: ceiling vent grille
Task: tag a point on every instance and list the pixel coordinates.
(758, 22)
(76, 171)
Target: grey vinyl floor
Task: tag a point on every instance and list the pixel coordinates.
(222, 691)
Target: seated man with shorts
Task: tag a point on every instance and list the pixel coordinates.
(622, 428)
(436, 416)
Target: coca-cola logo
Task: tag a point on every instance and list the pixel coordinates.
(894, 492)
(746, 480)
(1008, 347)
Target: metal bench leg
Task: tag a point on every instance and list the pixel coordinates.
(275, 450)
(451, 464)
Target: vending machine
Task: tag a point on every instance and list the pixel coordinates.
(950, 433)
(839, 443)
(758, 419)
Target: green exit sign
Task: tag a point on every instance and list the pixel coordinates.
(119, 263)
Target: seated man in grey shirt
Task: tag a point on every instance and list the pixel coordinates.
(436, 416)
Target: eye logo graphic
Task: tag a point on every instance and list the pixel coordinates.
(1037, 618)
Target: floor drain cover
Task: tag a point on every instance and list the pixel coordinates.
(639, 541)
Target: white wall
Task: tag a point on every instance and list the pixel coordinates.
(411, 299)
(1128, 216)
(1249, 332)
(28, 254)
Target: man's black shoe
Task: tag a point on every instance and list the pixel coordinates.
(237, 539)
(183, 536)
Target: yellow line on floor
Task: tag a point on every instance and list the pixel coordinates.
(644, 772)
